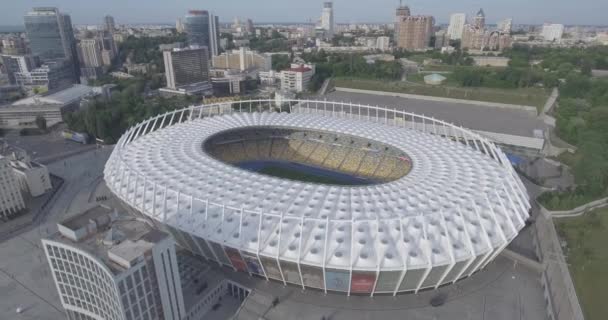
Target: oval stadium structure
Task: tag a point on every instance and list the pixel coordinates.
(334, 196)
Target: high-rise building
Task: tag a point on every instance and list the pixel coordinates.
(552, 32)
(456, 27)
(14, 64)
(403, 11)
(89, 53)
(249, 26)
(113, 266)
(327, 19)
(505, 25)
(413, 32)
(50, 34)
(109, 50)
(11, 200)
(185, 67)
(441, 39)
(109, 24)
(214, 35)
(479, 21)
(482, 39)
(202, 29)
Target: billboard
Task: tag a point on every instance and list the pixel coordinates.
(312, 276)
(291, 272)
(337, 280)
(388, 281)
(253, 264)
(219, 252)
(271, 267)
(362, 282)
(235, 258)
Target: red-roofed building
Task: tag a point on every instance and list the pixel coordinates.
(297, 77)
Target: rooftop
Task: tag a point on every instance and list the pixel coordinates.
(112, 237)
(62, 97)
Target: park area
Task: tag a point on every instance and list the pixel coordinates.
(535, 97)
(587, 255)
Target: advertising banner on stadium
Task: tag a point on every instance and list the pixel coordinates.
(388, 281)
(337, 280)
(253, 264)
(290, 272)
(362, 282)
(271, 267)
(313, 276)
(236, 259)
(219, 251)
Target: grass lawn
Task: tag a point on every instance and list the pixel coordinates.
(535, 97)
(292, 174)
(587, 255)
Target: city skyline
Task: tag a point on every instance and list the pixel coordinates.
(589, 12)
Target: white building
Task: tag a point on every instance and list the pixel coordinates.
(383, 43)
(33, 177)
(297, 77)
(456, 27)
(552, 32)
(114, 266)
(11, 201)
(505, 25)
(327, 19)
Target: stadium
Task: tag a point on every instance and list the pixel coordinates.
(340, 197)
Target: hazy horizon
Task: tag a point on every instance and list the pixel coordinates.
(584, 12)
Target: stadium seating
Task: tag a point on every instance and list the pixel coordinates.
(341, 153)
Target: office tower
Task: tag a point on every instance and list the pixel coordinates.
(249, 26)
(108, 47)
(479, 21)
(50, 34)
(202, 29)
(456, 27)
(505, 25)
(186, 66)
(108, 265)
(90, 53)
(214, 35)
(327, 19)
(14, 64)
(11, 201)
(91, 61)
(109, 24)
(413, 32)
(552, 32)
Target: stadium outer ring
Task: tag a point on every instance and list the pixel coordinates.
(492, 229)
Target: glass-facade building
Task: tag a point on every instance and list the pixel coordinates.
(202, 30)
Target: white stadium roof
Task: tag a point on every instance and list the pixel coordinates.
(459, 201)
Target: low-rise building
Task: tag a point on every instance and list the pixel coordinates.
(11, 200)
(32, 176)
(243, 59)
(51, 106)
(297, 77)
(491, 61)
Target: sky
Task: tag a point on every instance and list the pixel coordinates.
(588, 12)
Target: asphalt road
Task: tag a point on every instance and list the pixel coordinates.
(492, 119)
